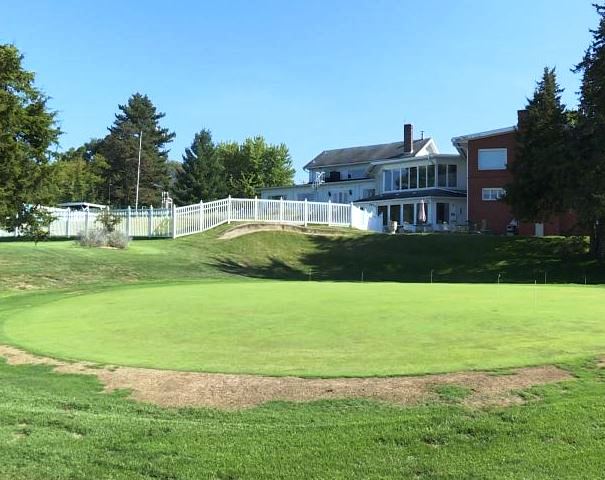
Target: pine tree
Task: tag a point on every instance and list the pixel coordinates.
(202, 176)
(539, 188)
(27, 130)
(589, 145)
(121, 148)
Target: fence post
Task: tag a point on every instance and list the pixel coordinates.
(86, 221)
(67, 224)
(229, 209)
(173, 222)
(201, 215)
(281, 209)
(306, 212)
(128, 222)
(351, 223)
(255, 208)
(329, 212)
(150, 223)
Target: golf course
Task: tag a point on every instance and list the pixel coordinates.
(325, 329)
(136, 363)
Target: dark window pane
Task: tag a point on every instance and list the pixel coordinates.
(396, 180)
(443, 212)
(452, 176)
(405, 178)
(422, 177)
(395, 214)
(442, 175)
(431, 176)
(408, 213)
(413, 177)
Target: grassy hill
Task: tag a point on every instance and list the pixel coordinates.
(60, 426)
(285, 255)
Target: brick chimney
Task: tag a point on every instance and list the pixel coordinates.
(522, 116)
(408, 138)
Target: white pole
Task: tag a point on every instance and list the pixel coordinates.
(150, 224)
(86, 221)
(256, 208)
(306, 212)
(173, 226)
(351, 214)
(67, 223)
(136, 202)
(201, 215)
(281, 209)
(229, 209)
(128, 222)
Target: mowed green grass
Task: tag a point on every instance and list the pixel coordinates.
(317, 328)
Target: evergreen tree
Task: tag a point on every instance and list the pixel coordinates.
(589, 146)
(542, 166)
(27, 131)
(121, 150)
(202, 176)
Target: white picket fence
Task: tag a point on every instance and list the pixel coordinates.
(199, 217)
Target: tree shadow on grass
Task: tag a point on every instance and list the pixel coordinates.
(415, 258)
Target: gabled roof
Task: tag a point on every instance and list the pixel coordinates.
(365, 154)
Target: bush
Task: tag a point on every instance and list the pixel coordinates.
(100, 238)
(117, 240)
(108, 221)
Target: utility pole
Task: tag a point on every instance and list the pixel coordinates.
(136, 202)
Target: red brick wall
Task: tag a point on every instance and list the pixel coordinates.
(497, 214)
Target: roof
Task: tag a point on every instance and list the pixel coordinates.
(488, 133)
(365, 154)
(82, 205)
(431, 192)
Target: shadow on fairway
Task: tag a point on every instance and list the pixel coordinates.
(411, 258)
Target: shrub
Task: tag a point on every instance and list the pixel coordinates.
(93, 238)
(97, 237)
(108, 221)
(117, 239)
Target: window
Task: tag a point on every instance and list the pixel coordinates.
(442, 175)
(408, 213)
(368, 192)
(422, 176)
(443, 212)
(301, 197)
(492, 194)
(382, 210)
(388, 180)
(396, 180)
(492, 159)
(341, 197)
(395, 212)
(452, 175)
(277, 197)
(413, 177)
(430, 176)
(405, 178)
(356, 173)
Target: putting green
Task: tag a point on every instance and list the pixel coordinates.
(318, 329)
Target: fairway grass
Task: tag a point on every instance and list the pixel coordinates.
(317, 328)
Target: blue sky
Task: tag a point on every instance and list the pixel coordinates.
(312, 74)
